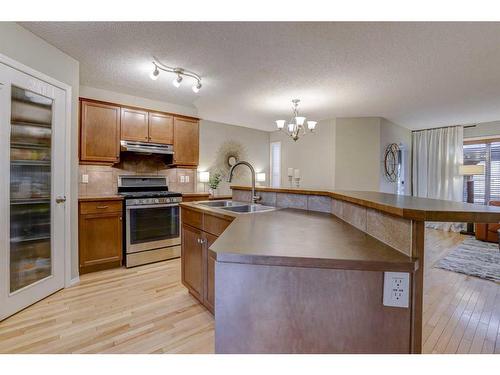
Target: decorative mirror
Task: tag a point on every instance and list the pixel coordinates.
(391, 162)
(232, 160)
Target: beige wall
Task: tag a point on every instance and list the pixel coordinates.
(484, 129)
(313, 154)
(21, 45)
(357, 154)
(393, 133)
(344, 153)
(255, 143)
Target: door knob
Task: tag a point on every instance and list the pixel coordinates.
(60, 199)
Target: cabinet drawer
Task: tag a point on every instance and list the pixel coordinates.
(215, 225)
(192, 218)
(100, 207)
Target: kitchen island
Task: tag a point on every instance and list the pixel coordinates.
(309, 278)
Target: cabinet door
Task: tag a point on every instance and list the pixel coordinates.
(209, 295)
(134, 125)
(186, 142)
(100, 132)
(161, 128)
(100, 241)
(192, 261)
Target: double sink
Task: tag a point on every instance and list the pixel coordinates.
(238, 207)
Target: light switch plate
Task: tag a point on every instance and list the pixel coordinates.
(397, 289)
(85, 178)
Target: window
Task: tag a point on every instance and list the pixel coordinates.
(487, 153)
(275, 163)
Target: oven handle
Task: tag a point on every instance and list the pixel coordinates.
(153, 206)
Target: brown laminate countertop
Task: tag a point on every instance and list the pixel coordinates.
(100, 198)
(423, 209)
(299, 238)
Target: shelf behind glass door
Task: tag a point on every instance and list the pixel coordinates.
(30, 188)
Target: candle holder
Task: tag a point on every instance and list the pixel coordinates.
(297, 182)
(290, 181)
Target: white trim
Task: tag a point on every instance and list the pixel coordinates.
(67, 211)
(74, 281)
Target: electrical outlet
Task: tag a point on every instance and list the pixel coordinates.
(85, 178)
(396, 289)
(182, 179)
(186, 178)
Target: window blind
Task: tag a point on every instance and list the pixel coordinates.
(487, 186)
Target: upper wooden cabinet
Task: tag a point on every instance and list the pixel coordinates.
(99, 132)
(161, 128)
(186, 142)
(134, 125)
(103, 125)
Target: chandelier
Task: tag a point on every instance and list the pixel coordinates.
(295, 127)
(180, 72)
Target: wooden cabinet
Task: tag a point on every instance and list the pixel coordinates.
(144, 126)
(134, 125)
(100, 235)
(199, 232)
(161, 128)
(186, 142)
(209, 271)
(99, 132)
(103, 125)
(192, 260)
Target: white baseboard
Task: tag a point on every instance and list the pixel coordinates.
(74, 281)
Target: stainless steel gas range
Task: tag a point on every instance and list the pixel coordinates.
(152, 219)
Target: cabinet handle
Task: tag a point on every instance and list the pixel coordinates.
(120, 218)
(102, 207)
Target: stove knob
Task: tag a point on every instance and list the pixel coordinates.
(156, 200)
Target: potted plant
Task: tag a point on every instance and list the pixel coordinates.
(213, 183)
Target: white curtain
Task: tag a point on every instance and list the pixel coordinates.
(437, 153)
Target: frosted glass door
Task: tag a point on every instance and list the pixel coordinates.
(32, 189)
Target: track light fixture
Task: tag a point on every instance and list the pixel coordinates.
(155, 74)
(177, 82)
(181, 73)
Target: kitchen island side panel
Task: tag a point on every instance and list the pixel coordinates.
(276, 309)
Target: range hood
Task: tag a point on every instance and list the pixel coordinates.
(146, 148)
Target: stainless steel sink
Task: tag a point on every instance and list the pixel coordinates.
(247, 208)
(221, 203)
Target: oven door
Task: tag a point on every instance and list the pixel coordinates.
(152, 227)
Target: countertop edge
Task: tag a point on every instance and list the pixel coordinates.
(490, 215)
(223, 257)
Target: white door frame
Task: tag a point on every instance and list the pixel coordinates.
(67, 207)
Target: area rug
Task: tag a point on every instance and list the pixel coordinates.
(474, 258)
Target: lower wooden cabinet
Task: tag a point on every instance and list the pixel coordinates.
(100, 235)
(192, 260)
(198, 263)
(209, 295)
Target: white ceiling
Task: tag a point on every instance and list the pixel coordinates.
(414, 74)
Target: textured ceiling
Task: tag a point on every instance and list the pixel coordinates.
(414, 74)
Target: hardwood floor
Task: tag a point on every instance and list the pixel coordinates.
(147, 310)
(138, 310)
(461, 313)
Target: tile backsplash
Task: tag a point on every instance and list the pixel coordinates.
(103, 179)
